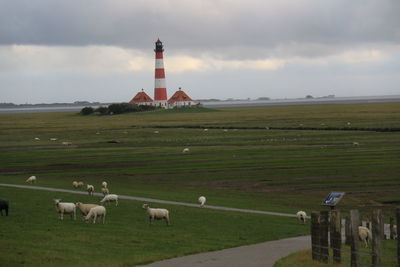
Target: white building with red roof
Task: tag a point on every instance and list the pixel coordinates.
(180, 99)
(141, 98)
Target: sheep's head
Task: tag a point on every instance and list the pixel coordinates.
(56, 201)
(145, 206)
(78, 204)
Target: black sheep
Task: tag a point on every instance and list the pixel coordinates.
(3, 206)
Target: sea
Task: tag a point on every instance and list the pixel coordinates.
(236, 103)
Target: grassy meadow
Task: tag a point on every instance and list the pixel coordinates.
(296, 157)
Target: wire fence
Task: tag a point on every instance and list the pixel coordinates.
(333, 236)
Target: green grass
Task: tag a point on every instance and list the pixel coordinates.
(32, 234)
(273, 170)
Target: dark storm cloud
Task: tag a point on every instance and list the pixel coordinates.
(306, 28)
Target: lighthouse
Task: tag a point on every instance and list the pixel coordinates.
(160, 88)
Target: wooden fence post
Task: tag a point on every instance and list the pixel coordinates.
(315, 238)
(392, 223)
(324, 231)
(376, 237)
(336, 235)
(398, 235)
(355, 244)
(347, 230)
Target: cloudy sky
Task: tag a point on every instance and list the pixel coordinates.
(102, 50)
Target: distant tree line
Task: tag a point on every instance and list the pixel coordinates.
(117, 108)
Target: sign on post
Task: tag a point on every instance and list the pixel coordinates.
(333, 199)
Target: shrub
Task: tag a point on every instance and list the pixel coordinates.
(102, 110)
(87, 111)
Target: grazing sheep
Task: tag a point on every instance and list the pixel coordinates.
(75, 184)
(85, 208)
(105, 191)
(37, 138)
(110, 198)
(31, 180)
(104, 184)
(156, 132)
(66, 143)
(301, 216)
(202, 201)
(356, 144)
(95, 212)
(206, 130)
(364, 234)
(157, 214)
(65, 208)
(3, 206)
(90, 189)
(185, 150)
(53, 139)
(80, 184)
(395, 231)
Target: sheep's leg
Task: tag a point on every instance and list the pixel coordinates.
(75, 215)
(95, 217)
(62, 216)
(116, 202)
(104, 218)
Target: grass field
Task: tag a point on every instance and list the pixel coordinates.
(275, 170)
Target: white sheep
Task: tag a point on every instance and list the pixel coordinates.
(95, 212)
(202, 201)
(110, 198)
(37, 138)
(85, 208)
(66, 143)
(356, 144)
(65, 208)
(364, 234)
(90, 189)
(75, 184)
(301, 216)
(157, 214)
(105, 191)
(80, 184)
(31, 180)
(185, 150)
(104, 184)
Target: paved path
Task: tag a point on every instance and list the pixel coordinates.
(152, 200)
(258, 255)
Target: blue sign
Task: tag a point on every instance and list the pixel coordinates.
(333, 198)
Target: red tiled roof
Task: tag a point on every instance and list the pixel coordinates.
(179, 96)
(140, 98)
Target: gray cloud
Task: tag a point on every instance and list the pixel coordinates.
(221, 26)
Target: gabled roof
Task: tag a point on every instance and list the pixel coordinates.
(179, 96)
(140, 98)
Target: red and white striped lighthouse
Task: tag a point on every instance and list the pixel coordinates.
(160, 88)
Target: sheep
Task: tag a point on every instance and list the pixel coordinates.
(66, 143)
(65, 208)
(364, 234)
(202, 201)
(356, 144)
(104, 184)
(110, 198)
(31, 180)
(53, 139)
(37, 138)
(3, 206)
(105, 191)
(185, 150)
(85, 208)
(90, 189)
(157, 214)
(95, 212)
(80, 184)
(301, 216)
(75, 184)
